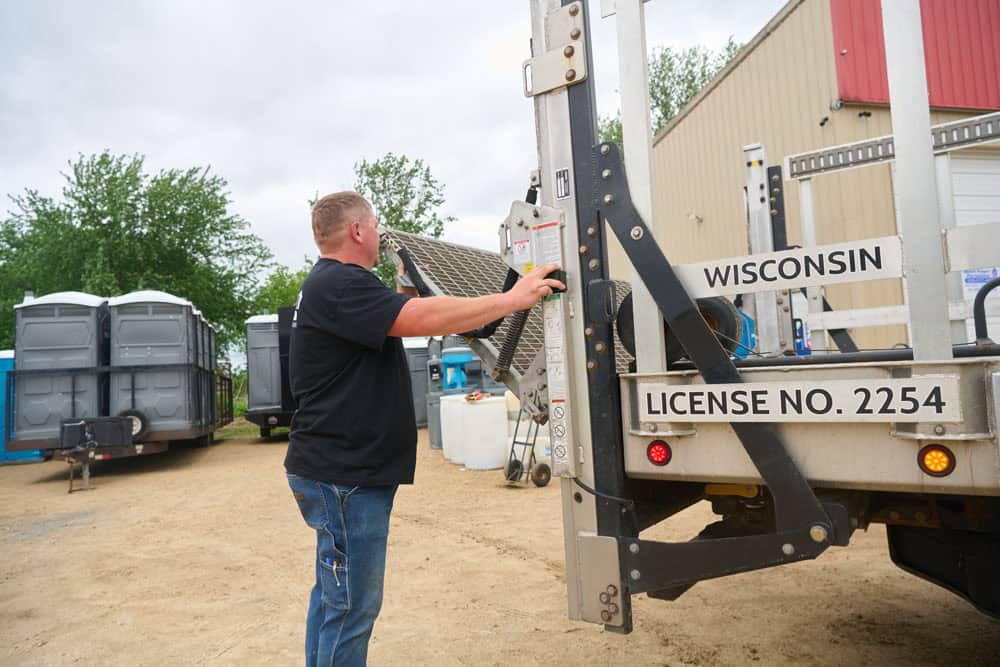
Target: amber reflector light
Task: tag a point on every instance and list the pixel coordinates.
(936, 460)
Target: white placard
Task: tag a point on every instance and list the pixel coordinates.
(546, 243)
(923, 399)
(546, 246)
(521, 250)
(870, 259)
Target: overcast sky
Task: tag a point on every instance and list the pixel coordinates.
(282, 98)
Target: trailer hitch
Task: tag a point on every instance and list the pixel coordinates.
(804, 527)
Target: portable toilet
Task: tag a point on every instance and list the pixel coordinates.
(60, 341)
(434, 419)
(453, 362)
(434, 393)
(157, 343)
(204, 377)
(439, 374)
(213, 364)
(269, 394)
(263, 371)
(416, 356)
(6, 365)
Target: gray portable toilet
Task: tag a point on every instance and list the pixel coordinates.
(205, 381)
(434, 393)
(162, 332)
(434, 419)
(416, 356)
(57, 332)
(263, 365)
(210, 377)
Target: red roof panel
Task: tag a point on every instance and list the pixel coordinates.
(961, 50)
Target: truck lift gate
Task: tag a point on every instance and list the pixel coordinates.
(636, 441)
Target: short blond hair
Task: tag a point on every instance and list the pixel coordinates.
(334, 211)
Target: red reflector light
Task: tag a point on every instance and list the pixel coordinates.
(658, 453)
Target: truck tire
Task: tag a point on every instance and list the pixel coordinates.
(140, 424)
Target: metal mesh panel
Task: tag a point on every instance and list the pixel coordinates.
(457, 270)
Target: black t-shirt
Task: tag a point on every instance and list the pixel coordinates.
(355, 422)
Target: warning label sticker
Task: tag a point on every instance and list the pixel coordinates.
(555, 361)
(546, 244)
(521, 254)
(521, 251)
(562, 183)
(890, 400)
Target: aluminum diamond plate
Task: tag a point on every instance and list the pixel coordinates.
(455, 270)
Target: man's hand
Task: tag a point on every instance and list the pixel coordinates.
(535, 286)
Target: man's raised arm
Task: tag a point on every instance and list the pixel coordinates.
(441, 315)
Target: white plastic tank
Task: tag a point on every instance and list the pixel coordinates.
(452, 432)
(484, 425)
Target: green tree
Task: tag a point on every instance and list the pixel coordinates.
(117, 229)
(609, 128)
(675, 77)
(281, 288)
(406, 196)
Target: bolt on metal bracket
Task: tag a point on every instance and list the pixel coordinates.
(564, 61)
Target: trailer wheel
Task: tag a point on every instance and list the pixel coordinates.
(265, 432)
(513, 471)
(140, 424)
(541, 474)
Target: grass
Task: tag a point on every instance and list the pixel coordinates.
(239, 428)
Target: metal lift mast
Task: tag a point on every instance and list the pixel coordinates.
(793, 453)
(601, 424)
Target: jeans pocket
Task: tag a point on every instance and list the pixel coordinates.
(333, 579)
(312, 504)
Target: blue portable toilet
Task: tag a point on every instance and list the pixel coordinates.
(453, 361)
(7, 364)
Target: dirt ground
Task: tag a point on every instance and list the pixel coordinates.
(199, 556)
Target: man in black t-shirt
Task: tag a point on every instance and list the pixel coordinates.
(354, 436)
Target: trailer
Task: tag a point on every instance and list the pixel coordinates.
(793, 452)
(84, 365)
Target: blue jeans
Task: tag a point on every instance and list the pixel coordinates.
(352, 527)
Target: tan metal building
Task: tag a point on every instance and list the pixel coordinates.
(782, 91)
